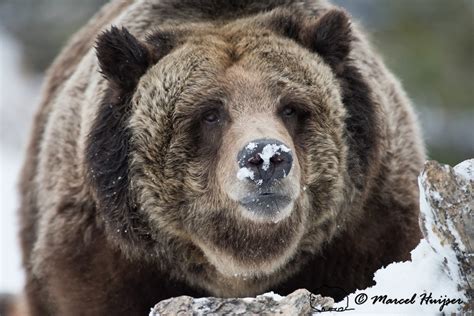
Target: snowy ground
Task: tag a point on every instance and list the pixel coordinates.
(18, 95)
(11, 276)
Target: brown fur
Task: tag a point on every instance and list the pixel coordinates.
(129, 198)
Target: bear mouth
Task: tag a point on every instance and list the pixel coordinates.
(266, 205)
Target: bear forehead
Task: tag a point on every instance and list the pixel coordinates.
(245, 63)
(250, 42)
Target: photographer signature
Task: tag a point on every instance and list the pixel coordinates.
(362, 298)
(318, 308)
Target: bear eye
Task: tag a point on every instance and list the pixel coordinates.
(288, 111)
(211, 117)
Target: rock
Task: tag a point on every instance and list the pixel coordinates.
(297, 303)
(447, 217)
(438, 278)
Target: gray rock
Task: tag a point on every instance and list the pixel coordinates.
(299, 302)
(450, 218)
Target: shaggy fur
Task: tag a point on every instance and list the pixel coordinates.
(129, 191)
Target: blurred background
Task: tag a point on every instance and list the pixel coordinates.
(428, 44)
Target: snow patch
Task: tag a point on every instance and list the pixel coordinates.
(18, 94)
(273, 296)
(466, 169)
(269, 151)
(244, 173)
(430, 279)
(251, 146)
(423, 277)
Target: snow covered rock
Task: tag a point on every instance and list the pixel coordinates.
(439, 278)
(297, 303)
(447, 218)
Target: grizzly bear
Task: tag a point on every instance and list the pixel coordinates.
(215, 148)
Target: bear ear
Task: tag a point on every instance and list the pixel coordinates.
(122, 58)
(330, 36)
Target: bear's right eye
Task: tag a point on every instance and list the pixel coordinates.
(288, 111)
(211, 117)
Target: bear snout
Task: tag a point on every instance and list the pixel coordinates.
(263, 165)
(264, 161)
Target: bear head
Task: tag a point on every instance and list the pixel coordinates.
(231, 136)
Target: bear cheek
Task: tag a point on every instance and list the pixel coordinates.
(226, 171)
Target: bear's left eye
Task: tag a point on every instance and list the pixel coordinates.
(288, 111)
(211, 117)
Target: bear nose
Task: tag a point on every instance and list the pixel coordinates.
(264, 161)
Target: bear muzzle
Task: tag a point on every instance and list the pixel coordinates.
(264, 164)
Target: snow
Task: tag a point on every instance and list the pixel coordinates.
(244, 173)
(273, 296)
(423, 278)
(18, 100)
(466, 169)
(251, 146)
(11, 274)
(269, 151)
(428, 284)
(270, 294)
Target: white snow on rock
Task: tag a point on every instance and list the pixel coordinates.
(273, 296)
(429, 217)
(429, 283)
(421, 280)
(269, 151)
(466, 169)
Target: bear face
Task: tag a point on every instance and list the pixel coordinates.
(208, 135)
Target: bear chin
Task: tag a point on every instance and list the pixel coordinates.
(230, 266)
(267, 209)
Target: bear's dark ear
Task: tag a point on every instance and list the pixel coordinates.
(122, 58)
(330, 36)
